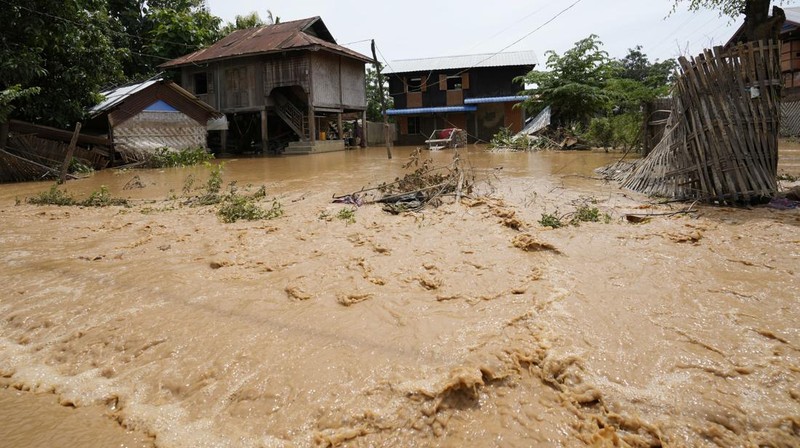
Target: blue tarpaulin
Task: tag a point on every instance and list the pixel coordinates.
(431, 110)
(495, 99)
(160, 106)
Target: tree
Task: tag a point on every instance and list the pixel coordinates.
(251, 20)
(758, 24)
(374, 112)
(174, 28)
(574, 86)
(66, 53)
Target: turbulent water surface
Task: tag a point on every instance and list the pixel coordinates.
(465, 325)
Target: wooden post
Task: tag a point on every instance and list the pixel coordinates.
(383, 103)
(70, 152)
(264, 131)
(364, 132)
(3, 135)
(339, 126)
(312, 125)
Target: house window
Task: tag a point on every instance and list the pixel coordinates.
(454, 83)
(201, 83)
(415, 85)
(413, 125)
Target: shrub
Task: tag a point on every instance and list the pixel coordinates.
(348, 215)
(549, 220)
(166, 157)
(235, 207)
(54, 196)
(102, 198)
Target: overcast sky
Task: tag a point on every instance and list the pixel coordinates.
(408, 29)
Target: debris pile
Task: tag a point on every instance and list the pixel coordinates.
(425, 186)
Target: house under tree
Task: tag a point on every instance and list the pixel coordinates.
(281, 86)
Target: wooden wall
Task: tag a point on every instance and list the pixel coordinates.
(326, 79)
(354, 84)
(244, 84)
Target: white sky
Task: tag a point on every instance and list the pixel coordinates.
(407, 29)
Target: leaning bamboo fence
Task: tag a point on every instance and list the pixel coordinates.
(721, 141)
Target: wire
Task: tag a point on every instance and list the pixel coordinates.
(501, 50)
(512, 25)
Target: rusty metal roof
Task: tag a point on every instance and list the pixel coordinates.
(305, 34)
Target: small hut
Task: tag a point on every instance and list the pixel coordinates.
(141, 118)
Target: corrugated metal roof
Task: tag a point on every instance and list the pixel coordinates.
(117, 95)
(308, 33)
(431, 110)
(495, 99)
(518, 58)
(114, 98)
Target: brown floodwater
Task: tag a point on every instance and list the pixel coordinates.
(465, 325)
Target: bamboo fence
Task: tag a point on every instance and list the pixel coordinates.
(721, 140)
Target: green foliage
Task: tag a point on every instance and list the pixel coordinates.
(169, 157)
(586, 213)
(374, 112)
(348, 215)
(214, 182)
(11, 94)
(588, 90)
(103, 198)
(574, 84)
(505, 139)
(54, 196)
(583, 213)
(601, 132)
(68, 58)
(251, 20)
(76, 166)
(730, 8)
(236, 206)
(178, 28)
(549, 220)
(627, 130)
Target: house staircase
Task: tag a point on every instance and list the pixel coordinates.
(294, 116)
(290, 111)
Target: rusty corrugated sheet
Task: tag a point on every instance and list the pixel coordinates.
(288, 36)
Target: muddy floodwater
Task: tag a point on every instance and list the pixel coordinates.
(469, 324)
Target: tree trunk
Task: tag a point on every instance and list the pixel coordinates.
(758, 24)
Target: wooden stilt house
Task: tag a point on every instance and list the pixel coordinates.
(283, 87)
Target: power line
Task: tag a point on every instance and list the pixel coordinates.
(513, 24)
(559, 14)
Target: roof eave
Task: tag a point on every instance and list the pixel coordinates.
(263, 53)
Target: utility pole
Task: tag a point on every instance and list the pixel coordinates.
(383, 102)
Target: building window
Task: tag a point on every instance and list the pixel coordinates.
(413, 125)
(201, 83)
(415, 85)
(454, 83)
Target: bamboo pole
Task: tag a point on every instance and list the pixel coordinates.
(70, 151)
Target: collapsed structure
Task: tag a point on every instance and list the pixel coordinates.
(721, 141)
